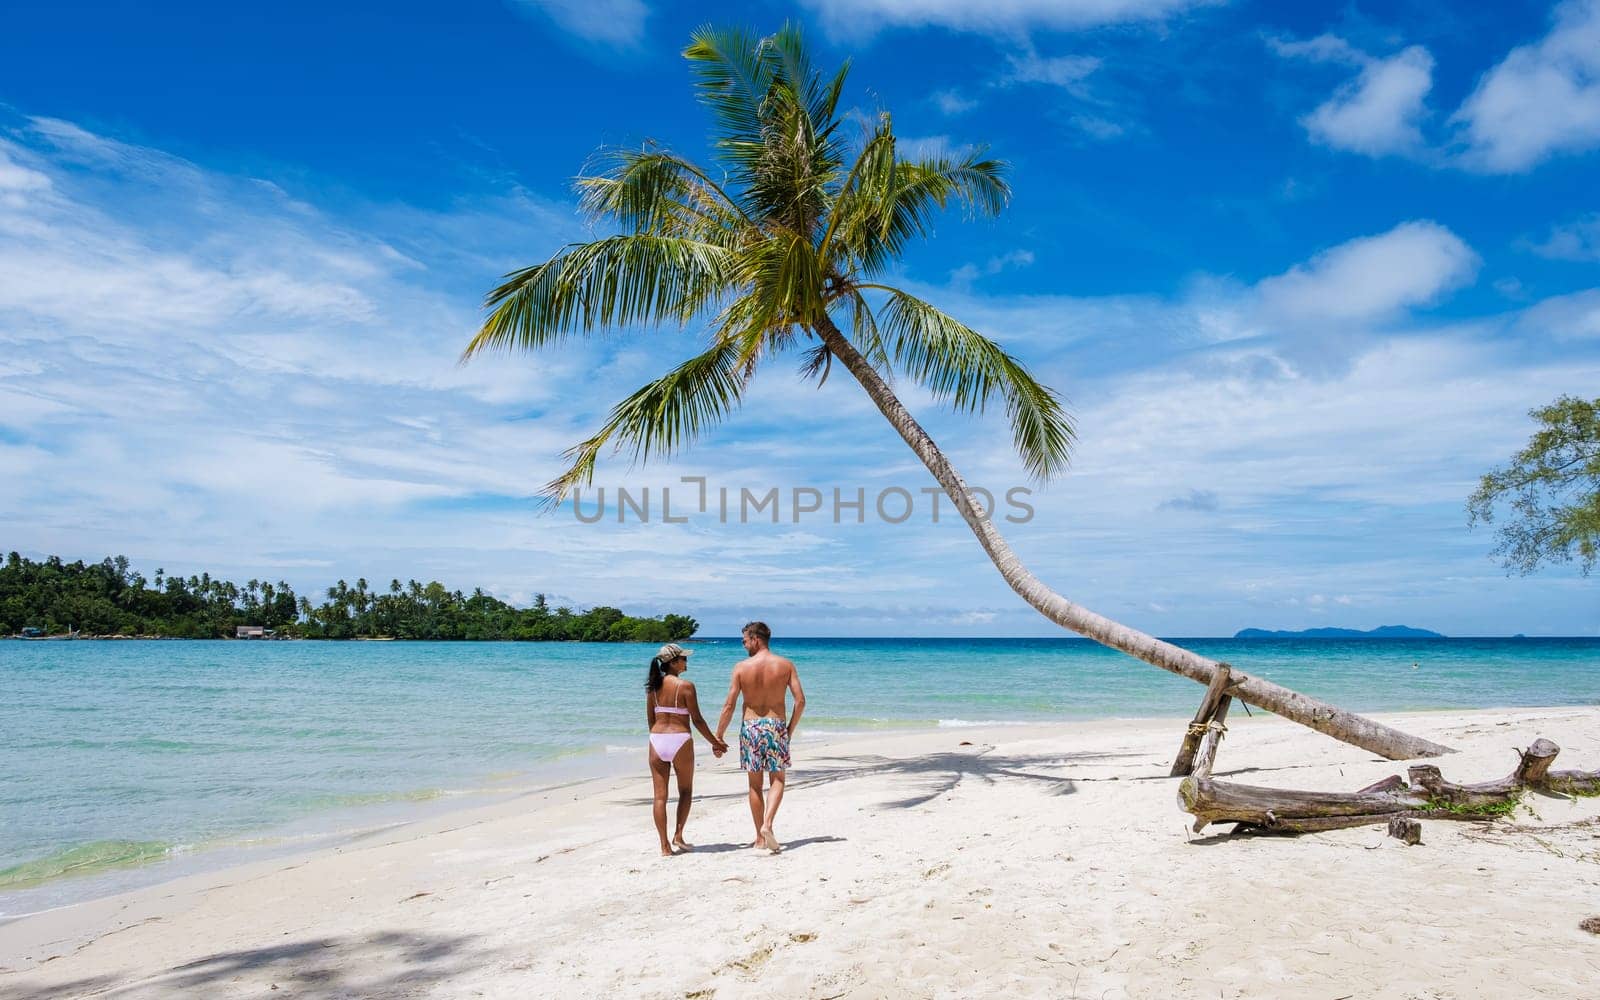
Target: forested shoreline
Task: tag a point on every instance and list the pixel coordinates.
(110, 598)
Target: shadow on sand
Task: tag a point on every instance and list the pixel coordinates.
(788, 845)
(378, 965)
(931, 775)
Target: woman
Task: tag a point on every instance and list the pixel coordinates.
(670, 704)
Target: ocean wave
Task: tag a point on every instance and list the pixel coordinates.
(87, 859)
(972, 723)
(348, 800)
(859, 723)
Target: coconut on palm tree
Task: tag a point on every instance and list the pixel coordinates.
(787, 246)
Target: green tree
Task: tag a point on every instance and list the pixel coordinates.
(107, 597)
(1552, 487)
(679, 626)
(784, 246)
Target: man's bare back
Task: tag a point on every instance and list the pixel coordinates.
(762, 681)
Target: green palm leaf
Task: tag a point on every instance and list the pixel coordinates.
(655, 192)
(791, 227)
(607, 283)
(662, 416)
(965, 369)
(875, 220)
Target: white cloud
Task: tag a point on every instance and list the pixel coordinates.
(1026, 67)
(1195, 500)
(1071, 74)
(1372, 277)
(1541, 100)
(918, 146)
(230, 424)
(966, 274)
(66, 259)
(862, 17)
(1096, 127)
(974, 618)
(1436, 407)
(1343, 481)
(17, 182)
(1576, 240)
(1378, 112)
(1511, 288)
(1565, 317)
(953, 102)
(611, 22)
(208, 345)
(1348, 484)
(1323, 48)
(1067, 72)
(1314, 317)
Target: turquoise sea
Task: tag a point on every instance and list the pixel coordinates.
(127, 762)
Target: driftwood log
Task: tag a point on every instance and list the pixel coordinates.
(1427, 796)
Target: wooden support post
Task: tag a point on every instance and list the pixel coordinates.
(1184, 763)
(1216, 728)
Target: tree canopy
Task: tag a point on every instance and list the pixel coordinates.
(793, 233)
(109, 598)
(1552, 490)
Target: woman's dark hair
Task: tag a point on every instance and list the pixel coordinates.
(658, 674)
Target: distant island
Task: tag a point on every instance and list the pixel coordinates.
(109, 600)
(1381, 632)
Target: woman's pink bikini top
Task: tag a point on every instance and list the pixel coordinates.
(672, 710)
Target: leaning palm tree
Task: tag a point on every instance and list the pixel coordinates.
(786, 248)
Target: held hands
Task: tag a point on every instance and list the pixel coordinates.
(718, 748)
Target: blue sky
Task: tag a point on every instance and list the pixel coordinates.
(1299, 272)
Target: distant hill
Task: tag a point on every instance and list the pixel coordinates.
(1381, 632)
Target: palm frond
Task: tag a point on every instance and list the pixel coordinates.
(652, 191)
(608, 283)
(817, 360)
(868, 183)
(786, 48)
(864, 331)
(780, 285)
(876, 222)
(967, 370)
(776, 120)
(662, 416)
(974, 178)
(733, 79)
(789, 226)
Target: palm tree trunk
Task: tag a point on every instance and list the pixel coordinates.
(1319, 715)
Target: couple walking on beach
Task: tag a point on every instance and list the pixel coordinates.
(762, 680)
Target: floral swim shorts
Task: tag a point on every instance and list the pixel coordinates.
(764, 745)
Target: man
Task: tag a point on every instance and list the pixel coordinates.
(762, 679)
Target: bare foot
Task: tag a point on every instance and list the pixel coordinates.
(681, 844)
(666, 850)
(758, 842)
(769, 841)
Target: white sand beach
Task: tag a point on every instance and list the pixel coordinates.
(1018, 861)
